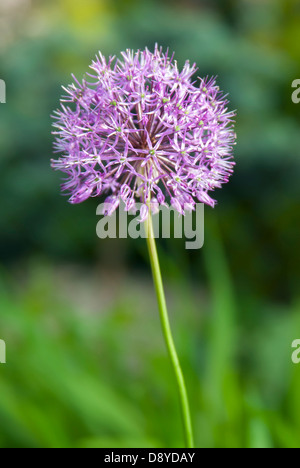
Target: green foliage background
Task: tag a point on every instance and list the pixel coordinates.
(86, 364)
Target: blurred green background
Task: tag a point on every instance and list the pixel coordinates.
(86, 363)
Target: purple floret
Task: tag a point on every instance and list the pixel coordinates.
(140, 129)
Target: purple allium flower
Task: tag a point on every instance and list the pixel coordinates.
(144, 130)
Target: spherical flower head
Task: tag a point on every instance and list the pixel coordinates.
(137, 128)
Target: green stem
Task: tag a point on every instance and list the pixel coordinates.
(162, 306)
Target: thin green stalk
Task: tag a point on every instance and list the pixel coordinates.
(162, 306)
